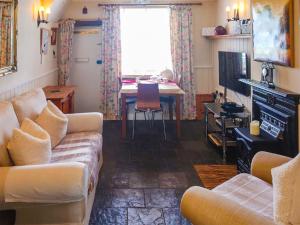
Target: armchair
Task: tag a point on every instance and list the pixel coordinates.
(244, 200)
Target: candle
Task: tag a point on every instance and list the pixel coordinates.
(236, 11)
(255, 128)
(241, 8)
(228, 12)
(42, 11)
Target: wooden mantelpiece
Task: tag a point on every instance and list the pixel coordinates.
(230, 36)
(277, 91)
(62, 97)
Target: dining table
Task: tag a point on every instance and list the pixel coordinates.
(169, 89)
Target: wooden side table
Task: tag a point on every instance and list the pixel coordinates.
(62, 97)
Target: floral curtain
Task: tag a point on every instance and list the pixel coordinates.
(111, 55)
(65, 41)
(5, 34)
(181, 47)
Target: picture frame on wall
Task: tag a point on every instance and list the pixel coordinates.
(273, 31)
(44, 41)
(53, 35)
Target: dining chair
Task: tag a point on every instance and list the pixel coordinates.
(148, 102)
(129, 100)
(169, 100)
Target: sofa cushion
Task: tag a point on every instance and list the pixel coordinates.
(54, 122)
(250, 192)
(30, 104)
(286, 182)
(84, 147)
(8, 121)
(30, 145)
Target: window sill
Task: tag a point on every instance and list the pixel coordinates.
(135, 76)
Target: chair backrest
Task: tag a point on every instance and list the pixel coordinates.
(148, 96)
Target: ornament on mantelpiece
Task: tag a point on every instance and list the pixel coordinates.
(85, 10)
(234, 27)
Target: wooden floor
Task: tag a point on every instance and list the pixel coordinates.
(214, 175)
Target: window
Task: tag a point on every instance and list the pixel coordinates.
(145, 39)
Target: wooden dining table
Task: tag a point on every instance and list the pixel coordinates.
(165, 89)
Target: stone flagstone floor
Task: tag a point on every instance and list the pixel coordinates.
(142, 181)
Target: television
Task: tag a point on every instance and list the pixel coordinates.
(232, 67)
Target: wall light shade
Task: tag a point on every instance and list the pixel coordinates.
(48, 11)
(43, 15)
(241, 8)
(228, 12)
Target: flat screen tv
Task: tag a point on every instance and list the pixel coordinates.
(232, 67)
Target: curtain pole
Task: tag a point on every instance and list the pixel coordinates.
(148, 4)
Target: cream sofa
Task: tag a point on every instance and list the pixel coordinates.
(244, 200)
(63, 191)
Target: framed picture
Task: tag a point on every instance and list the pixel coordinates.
(273, 31)
(53, 35)
(44, 41)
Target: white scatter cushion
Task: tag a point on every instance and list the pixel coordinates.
(54, 122)
(30, 104)
(286, 192)
(8, 121)
(53, 108)
(29, 145)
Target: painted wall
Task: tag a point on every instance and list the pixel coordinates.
(288, 78)
(31, 72)
(202, 17)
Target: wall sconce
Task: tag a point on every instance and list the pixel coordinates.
(228, 12)
(236, 12)
(43, 15)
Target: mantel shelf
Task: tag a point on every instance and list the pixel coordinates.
(229, 36)
(278, 91)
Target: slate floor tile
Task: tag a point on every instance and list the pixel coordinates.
(173, 180)
(120, 180)
(161, 198)
(102, 199)
(173, 217)
(109, 216)
(128, 198)
(143, 180)
(148, 216)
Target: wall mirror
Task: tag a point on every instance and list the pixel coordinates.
(8, 36)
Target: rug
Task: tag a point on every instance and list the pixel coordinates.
(213, 175)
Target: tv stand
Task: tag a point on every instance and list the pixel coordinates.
(219, 125)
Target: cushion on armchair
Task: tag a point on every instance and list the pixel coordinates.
(286, 186)
(249, 192)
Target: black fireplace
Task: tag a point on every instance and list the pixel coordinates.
(277, 111)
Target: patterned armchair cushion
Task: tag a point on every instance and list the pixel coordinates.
(250, 192)
(84, 147)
